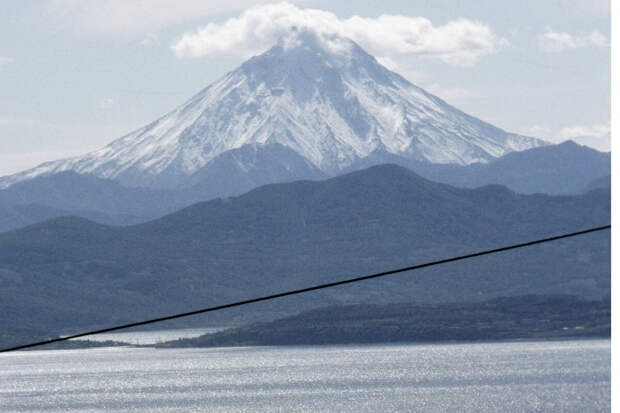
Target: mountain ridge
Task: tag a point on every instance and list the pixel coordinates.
(291, 235)
(321, 96)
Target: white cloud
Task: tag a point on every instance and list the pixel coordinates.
(559, 41)
(597, 130)
(458, 42)
(6, 60)
(597, 135)
(122, 16)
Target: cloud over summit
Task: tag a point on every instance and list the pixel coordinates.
(458, 42)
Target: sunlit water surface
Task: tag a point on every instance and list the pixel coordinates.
(555, 376)
(153, 337)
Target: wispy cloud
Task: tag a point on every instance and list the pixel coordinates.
(596, 135)
(551, 41)
(458, 42)
(127, 16)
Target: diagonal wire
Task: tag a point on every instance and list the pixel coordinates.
(308, 289)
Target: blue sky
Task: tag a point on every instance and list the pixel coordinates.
(76, 74)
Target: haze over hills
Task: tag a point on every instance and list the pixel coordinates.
(567, 168)
(293, 235)
(322, 97)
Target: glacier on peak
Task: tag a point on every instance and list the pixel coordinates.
(320, 95)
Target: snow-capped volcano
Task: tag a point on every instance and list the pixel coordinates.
(319, 96)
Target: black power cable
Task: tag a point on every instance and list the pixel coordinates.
(308, 289)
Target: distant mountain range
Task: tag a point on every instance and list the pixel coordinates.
(567, 168)
(70, 272)
(564, 169)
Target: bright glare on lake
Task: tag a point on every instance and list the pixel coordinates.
(553, 376)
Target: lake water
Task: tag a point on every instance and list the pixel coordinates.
(553, 376)
(153, 337)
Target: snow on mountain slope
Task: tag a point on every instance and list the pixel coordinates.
(320, 95)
